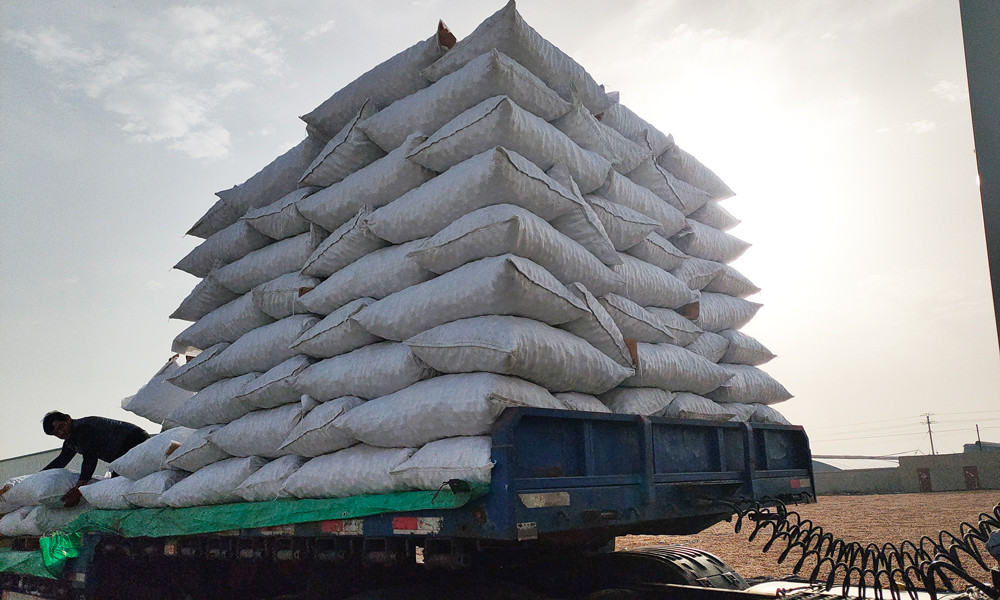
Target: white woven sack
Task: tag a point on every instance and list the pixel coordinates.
(506, 31)
(348, 243)
(645, 401)
(550, 357)
(490, 74)
(224, 324)
(261, 432)
(196, 451)
(682, 329)
(625, 227)
(718, 312)
(749, 385)
(281, 219)
(499, 121)
(709, 243)
(635, 322)
(744, 349)
(692, 406)
(622, 190)
(368, 372)
(261, 266)
(739, 413)
(435, 464)
(590, 134)
(697, 273)
(647, 285)
(583, 224)
(266, 482)
(205, 297)
(376, 275)
(274, 181)
(13, 523)
(505, 228)
(214, 484)
(765, 414)
(217, 403)
(217, 218)
(107, 493)
(358, 470)
(620, 118)
(316, 433)
(445, 406)
(677, 369)
(232, 243)
(713, 215)
(496, 176)
(682, 196)
(279, 298)
(149, 456)
(375, 185)
(263, 348)
(44, 487)
(710, 345)
(346, 152)
(7, 504)
(501, 285)
(731, 282)
(146, 492)
(687, 168)
(158, 398)
(659, 252)
(582, 402)
(337, 333)
(274, 388)
(389, 81)
(598, 328)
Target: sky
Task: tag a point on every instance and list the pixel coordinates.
(842, 125)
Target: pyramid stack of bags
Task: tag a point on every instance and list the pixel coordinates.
(465, 228)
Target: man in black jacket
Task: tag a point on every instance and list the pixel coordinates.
(93, 437)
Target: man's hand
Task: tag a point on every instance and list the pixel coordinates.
(72, 497)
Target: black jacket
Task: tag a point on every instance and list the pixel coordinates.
(97, 438)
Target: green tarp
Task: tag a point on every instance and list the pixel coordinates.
(163, 522)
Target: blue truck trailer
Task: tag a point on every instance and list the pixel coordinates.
(564, 485)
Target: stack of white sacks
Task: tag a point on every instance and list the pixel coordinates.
(462, 230)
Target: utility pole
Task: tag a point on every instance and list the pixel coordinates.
(979, 440)
(929, 433)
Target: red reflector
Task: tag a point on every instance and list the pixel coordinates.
(405, 523)
(331, 526)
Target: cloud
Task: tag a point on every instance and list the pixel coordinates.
(166, 76)
(950, 91)
(922, 126)
(319, 29)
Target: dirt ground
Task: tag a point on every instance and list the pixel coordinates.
(877, 519)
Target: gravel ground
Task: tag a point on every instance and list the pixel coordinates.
(865, 519)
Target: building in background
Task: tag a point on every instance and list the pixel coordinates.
(32, 463)
(978, 468)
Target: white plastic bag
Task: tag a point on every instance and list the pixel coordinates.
(261, 266)
(498, 121)
(376, 276)
(338, 333)
(692, 406)
(687, 168)
(744, 349)
(196, 451)
(673, 368)
(582, 402)
(697, 273)
(316, 433)
(146, 492)
(635, 322)
(435, 464)
(598, 328)
(214, 484)
(232, 243)
(710, 345)
(217, 403)
(620, 118)
(487, 75)
(590, 134)
(709, 243)
(224, 324)
(158, 398)
(107, 493)
(622, 190)
(368, 372)
(281, 219)
(659, 252)
(550, 357)
(279, 298)
(349, 150)
(352, 471)
(266, 482)
(348, 243)
(263, 348)
(645, 401)
(683, 331)
(647, 285)
(149, 456)
(200, 371)
(625, 227)
(731, 282)
(749, 385)
(206, 296)
(375, 185)
(766, 414)
(445, 406)
(274, 388)
(717, 312)
(44, 487)
(505, 228)
(682, 196)
(714, 215)
(502, 285)
(261, 432)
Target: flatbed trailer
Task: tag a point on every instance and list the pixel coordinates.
(564, 485)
